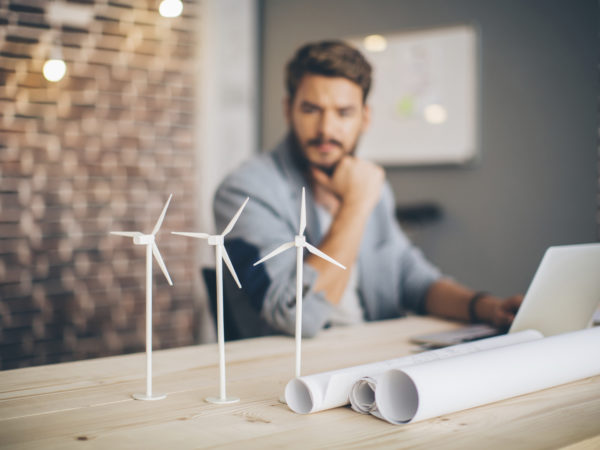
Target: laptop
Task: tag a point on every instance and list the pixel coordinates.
(564, 292)
(563, 296)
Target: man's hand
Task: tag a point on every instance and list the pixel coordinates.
(355, 182)
(350, 195)
(504, 310)
(447, 298)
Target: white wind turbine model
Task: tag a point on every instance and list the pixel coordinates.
(300, 243)
(151, 249)
(220, 255)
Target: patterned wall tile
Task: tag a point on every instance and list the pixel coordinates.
(99, 150)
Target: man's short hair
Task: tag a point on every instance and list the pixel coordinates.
(331, 59)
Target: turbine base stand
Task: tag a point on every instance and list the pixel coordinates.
(149, 397)
(222, 401)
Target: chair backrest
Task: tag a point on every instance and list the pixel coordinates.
(240, 319)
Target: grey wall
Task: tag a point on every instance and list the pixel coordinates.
(536, 183)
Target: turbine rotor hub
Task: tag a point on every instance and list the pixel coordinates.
(144, 239)
(216, 240)
(299, 241)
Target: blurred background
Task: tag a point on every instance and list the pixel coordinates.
(150, 105)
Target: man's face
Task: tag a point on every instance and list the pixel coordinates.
(327, 116)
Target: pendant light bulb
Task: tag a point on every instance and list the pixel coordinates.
(54, 70)
(170, 8)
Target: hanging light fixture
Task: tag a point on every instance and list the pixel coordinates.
(58, 14)
(170, 8)
(55, 68)
(375, 43)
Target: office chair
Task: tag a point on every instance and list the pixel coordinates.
(240, 319)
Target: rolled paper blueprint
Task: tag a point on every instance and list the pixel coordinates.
(440, 387)
(331, 389)
(362, 394)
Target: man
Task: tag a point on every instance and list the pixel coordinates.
(350, 214)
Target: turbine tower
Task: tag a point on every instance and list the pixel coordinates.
(300, 243)
(221, 255)
(149, 240)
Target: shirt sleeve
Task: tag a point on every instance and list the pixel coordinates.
(264, 225)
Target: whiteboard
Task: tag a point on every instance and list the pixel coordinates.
(423, 97)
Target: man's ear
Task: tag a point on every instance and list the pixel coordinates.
(366, 121)
(287, 109)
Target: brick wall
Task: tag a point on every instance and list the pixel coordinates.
(98, 151)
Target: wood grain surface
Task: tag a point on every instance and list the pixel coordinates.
(88, 404)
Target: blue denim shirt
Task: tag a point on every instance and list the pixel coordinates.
(393, 274)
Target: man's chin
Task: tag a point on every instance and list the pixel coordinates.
(325, 166)
(326, 161)
(326, 169)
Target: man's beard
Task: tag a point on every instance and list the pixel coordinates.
(305, 164)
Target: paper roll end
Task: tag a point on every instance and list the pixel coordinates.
(397, 397)
(298, 397)
(362, 397)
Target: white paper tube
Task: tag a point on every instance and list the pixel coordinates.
(362, 395)
(328, 390)
(440, 387)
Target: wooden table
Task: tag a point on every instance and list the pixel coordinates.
(88, 404)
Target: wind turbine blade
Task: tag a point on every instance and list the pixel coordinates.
(126, 233)
(302, 215)
(315, 251)
(230, 266)
(162, 216)
(232, 222)
(161, 263)
(194, 235)
(277, 251)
